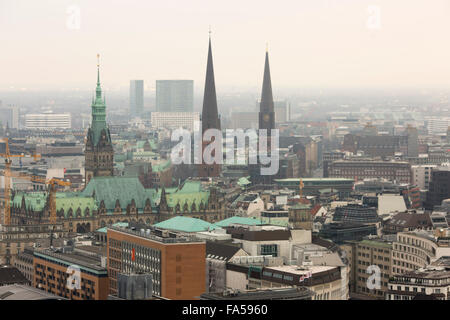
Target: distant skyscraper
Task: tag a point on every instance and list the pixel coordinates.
(9, 116)
(448, 134)
(282, 111)
(136, 97)
(413, 141)
(175, 95)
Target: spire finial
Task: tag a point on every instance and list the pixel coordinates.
(209, 31)
(267, 47)
(98, 70)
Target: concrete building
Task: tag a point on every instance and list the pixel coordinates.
(217, 256)
(282, 111)
(175, 120)
(136, 98)
(366, 169)
(360, 256)
(438, 125)
(283, 293)
(417, 249)
(48, 121)
(408, 221)
(439, 187)
(421, 175)
(174, 95)
(432, 281)
(9, 116)
(15, 238)
(328, 280)
(244, 120)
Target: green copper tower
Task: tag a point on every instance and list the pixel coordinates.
(98, 110)
(99, 153)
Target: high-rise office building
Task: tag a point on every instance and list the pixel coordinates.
(48, 121)
(175, 95)
(136, 97)
(9, 116)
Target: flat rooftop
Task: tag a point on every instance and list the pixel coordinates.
(157, 235)
(91, 263)
(301, 270)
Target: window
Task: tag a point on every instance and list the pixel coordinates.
(269, 249)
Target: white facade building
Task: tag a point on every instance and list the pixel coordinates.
(421, 175)
(175, 120)
(45, 121)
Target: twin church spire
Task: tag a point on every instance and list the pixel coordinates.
(210, 115)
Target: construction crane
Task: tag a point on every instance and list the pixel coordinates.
(52, 183)
(300, 186)
(8, 174)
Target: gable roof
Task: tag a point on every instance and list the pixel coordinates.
(220, 251)
(11, 275)
(124, 189)
(238, 220)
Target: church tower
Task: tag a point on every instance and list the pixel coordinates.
(266, 122)
(210, 117)
(99, 153)
(266, 108)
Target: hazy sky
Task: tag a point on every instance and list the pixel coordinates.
(312, 43)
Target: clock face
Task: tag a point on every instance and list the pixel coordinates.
(266, 118)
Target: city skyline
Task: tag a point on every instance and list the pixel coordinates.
(355, 44)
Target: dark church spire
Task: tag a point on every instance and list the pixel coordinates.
(266, 109)
(210, 115)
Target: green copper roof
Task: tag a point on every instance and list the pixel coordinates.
(243, 181)
(118, 224)
(186, 224)
(67, 202)
(239, 220)
(141, 143)
(35, 201)
(64, 200)
(124, 189)
(98, 112)
(191, 192)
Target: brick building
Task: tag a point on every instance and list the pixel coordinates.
(52, 270)
(176, 263)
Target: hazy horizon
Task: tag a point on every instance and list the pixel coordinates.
(312, 44)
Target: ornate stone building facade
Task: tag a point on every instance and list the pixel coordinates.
(107, 200)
